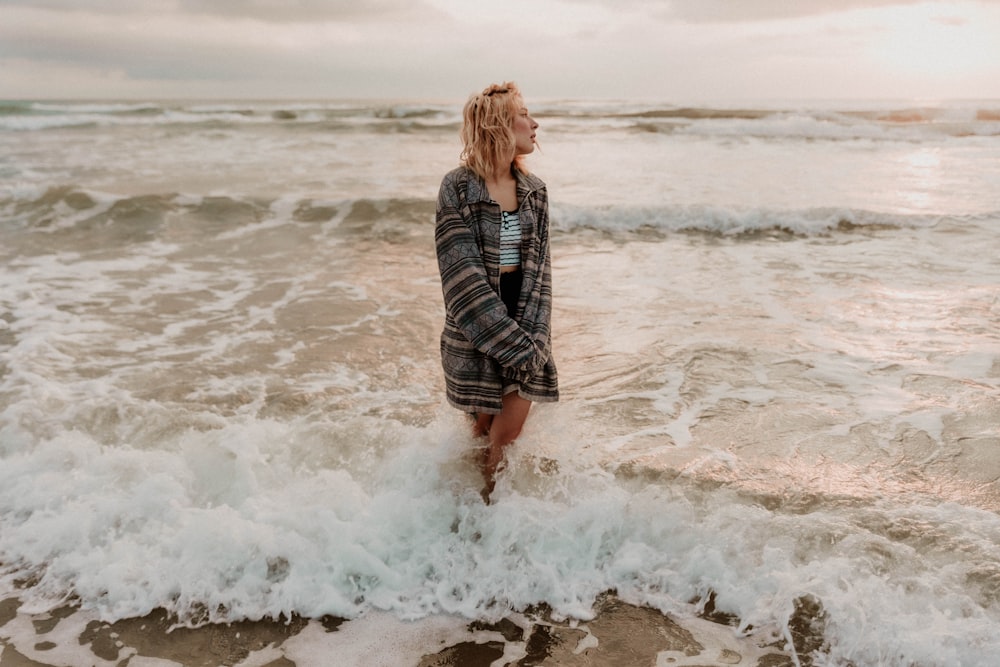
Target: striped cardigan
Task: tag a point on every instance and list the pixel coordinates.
(485, 353)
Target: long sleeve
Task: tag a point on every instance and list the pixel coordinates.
(470, 301)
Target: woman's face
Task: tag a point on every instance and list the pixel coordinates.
(524, 132)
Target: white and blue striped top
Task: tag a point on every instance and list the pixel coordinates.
(510, 239)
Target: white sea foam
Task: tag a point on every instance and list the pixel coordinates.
(205, 527)
(730, 221)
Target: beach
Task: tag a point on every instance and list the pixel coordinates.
(222, 408)
(619, 634)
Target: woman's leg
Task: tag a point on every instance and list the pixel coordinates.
(481, 424)
(504, 429)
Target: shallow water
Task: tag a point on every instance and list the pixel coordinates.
(776, 334)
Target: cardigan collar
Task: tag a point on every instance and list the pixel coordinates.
(526, 184)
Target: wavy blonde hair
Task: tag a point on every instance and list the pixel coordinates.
(488, 130)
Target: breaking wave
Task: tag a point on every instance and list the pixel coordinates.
(66, 209)
(802, 122)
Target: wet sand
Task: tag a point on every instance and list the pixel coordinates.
(619, 634)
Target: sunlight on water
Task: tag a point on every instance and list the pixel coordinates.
(922, 177)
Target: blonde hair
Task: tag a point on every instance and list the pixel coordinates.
(488, 142)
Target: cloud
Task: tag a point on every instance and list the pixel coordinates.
(140, 45)
(684, 49)
(96, 6)
(166, 43)
(741, 11)
(307, 10)
(55, 52)
(271, 11)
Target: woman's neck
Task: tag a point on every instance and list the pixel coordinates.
(502, 187)
(502, 175)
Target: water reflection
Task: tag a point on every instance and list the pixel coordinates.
(921, 179)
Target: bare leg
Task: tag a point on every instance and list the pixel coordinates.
(481, 424)
(481, 430)
(503, 430)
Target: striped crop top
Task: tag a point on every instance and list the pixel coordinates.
(510, 239)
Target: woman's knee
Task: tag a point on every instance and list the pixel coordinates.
(505, 432)
(508, 424)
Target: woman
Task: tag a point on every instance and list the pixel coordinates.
(492, 239)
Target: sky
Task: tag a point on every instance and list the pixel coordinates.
(683, 51)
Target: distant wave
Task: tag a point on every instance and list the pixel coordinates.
(69, 209)
(897, 125)
(715, 220)
(824, 123)
(34, 116)
(887, 114)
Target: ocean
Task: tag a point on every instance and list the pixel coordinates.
(777, 327)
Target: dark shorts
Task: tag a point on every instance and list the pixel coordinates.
(510, 290)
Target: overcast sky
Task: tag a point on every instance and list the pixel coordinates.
(684, 51)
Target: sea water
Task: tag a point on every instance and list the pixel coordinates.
(777, 328)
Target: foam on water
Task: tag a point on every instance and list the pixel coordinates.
(230, 523)
(837, 121)
(730, 221)
(56, 210)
